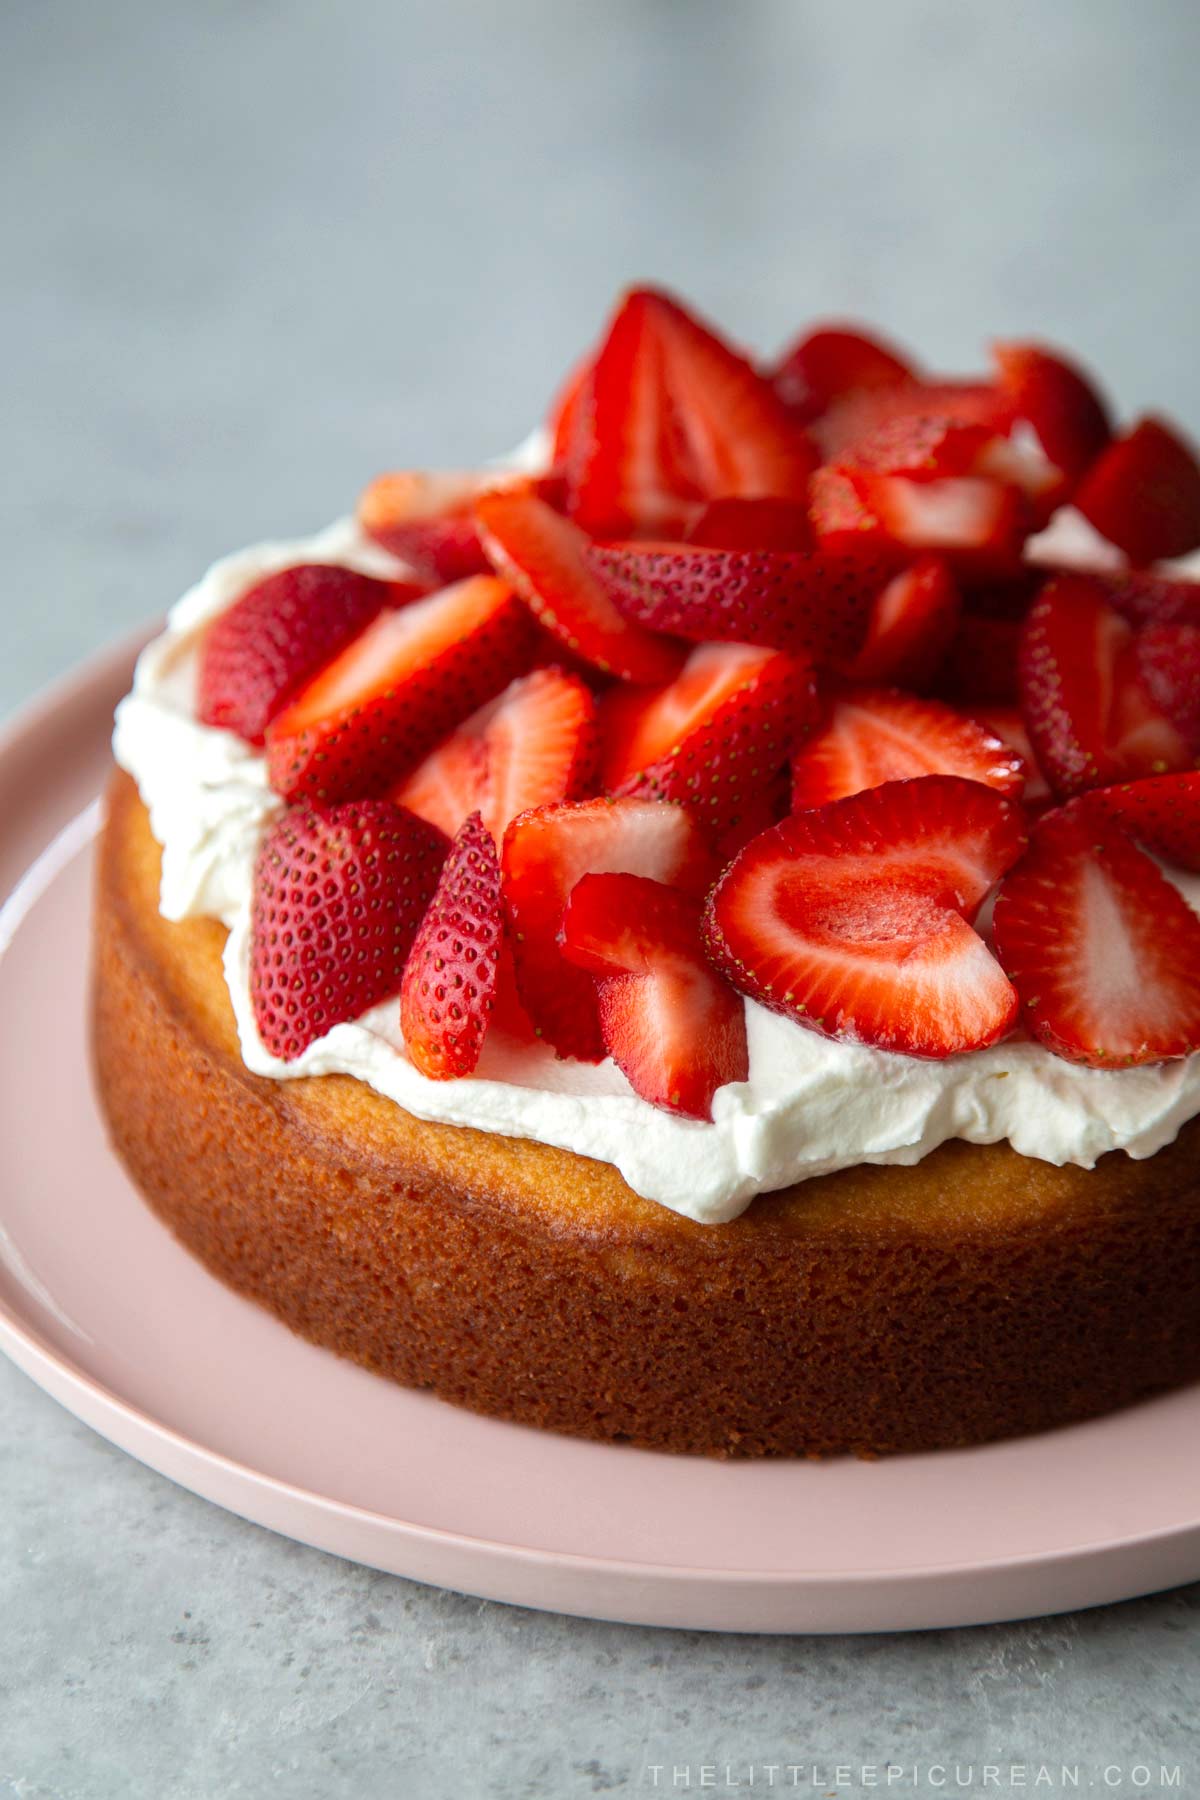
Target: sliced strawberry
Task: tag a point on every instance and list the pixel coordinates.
(1163, 813)
(1168, 660)
(860, 413)
(812, 604)
(979, 522)
(1062, 405)
(400, 686)
(428, 519)
(1103, 951)
(873, 735)
(668, 1020)
(534, 743)
(449, 986)
(767, 807)
(834, 360)
(543, 555)
(912, 625)
(566, 411)
(1143, 493)
(1090, 716)
(922, 447)
(714, 737)
(1006, 723)
(1146, 599)
(550, 848)
(273, 640)
(853, 919)
(338, 895)
(672, 417)
(753, 525)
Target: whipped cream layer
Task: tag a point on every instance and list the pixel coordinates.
(810, 1105)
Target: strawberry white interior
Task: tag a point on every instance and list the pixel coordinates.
(811, 1105)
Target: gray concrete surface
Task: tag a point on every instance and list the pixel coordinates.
(251, 252)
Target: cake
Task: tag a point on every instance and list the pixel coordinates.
(689, 936)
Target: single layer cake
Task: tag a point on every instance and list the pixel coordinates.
(692, 936)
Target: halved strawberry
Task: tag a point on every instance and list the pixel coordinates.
(667, 1019)
(1162, 812)
(1143, 493)
(338, 895)
(1090, 716)
(428, 518)
(873, 735)
(806, 602)
(534, 743)
(259, 653)
(449, 985)
(860, 413)
(752, 525)
(853, 919)
(912, 625)
(977, 521)
(670, 417)
(834, 360)
(714, 737)
(544, 556)
(1103, 951)
(550, 848)
(400, 686)
(1062, 405)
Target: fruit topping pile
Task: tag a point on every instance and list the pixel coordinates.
(754, 690)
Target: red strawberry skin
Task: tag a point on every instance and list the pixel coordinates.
(1054, 396)
(668, 1020)
(1163, 813)
(725, 728)
(396, 690)
(752, 525)
(1143, 493)
(449, 986)
(546, 852)
(835, 359)
(912, 625)
(873, 735)
(808, 603)
(428, 519)
(544, 556)
(1168, 660)
(853, 919)
(338, 895)
(1103, 951)
(263, 650)
(1090, 716)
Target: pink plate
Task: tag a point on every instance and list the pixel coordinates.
(102, 1307)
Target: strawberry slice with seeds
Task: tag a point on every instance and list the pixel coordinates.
(1103, 951)
(667, 1019)
(1006, 723)
(272, 641)
(912, 625)
(1168, 660)
(1091, 718)
(813, 604)
(834, 360)
(978, 521)
(544, 556)
(449, 986)
(672, 417)
(752, 525)
(546, 852)
(1068, 415)
(859, 414)
(873, 735)
(428, 518)
(1163, 813)
(1143, 493)
(1146, 599)
(534, 743)
(401, 685)
(853, 919)
(337, 898)
(714, 737)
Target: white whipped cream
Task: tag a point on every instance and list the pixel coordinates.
(810, 1106)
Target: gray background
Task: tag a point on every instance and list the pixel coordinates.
(249, 254)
